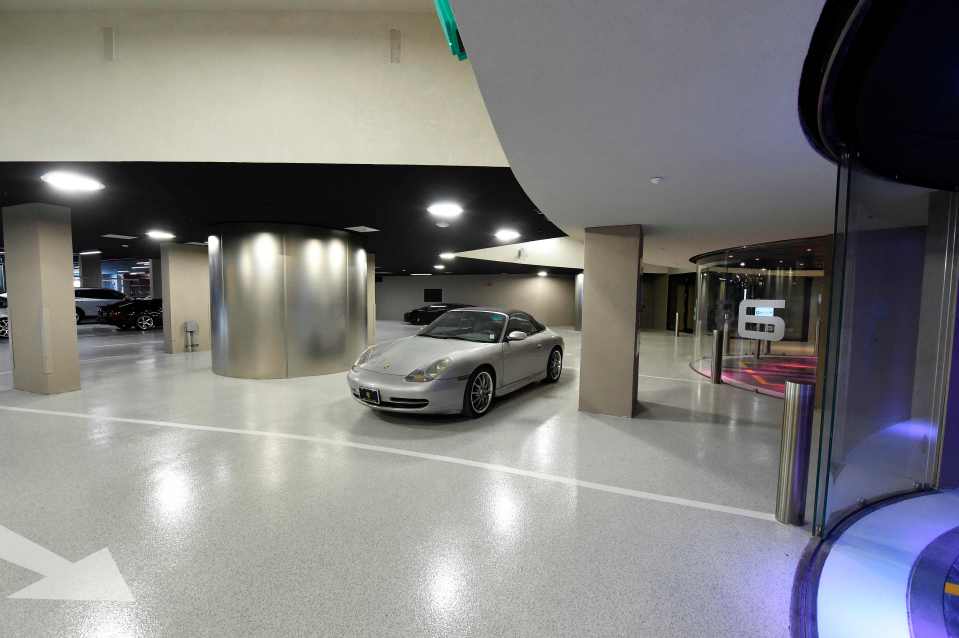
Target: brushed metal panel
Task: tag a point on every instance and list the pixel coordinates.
(287, 301)
(317, 304)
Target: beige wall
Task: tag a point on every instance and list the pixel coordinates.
(609, 362)
(186, 294)
(235, 86)
(549, 299)
(39, 269)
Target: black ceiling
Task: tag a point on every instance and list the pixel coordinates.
(188, 198)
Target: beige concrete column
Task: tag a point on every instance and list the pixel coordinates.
(39, 267)
(370, 298)
(608, 373)
(185, 276)
(90, 274)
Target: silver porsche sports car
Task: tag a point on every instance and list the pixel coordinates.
(458, 363)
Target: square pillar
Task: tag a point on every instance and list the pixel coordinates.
(186, 295)
(156, 279)
(609, 363)
(90, 273)
(39, 267)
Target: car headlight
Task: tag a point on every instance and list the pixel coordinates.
(364, 357)
(430, 372)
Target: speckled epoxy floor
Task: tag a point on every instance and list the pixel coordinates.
(237, 507)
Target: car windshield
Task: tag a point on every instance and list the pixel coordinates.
(467, 325)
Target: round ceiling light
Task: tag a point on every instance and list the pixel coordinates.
(71, 182)
(160, 234)
(445, 210)
(506, 234)
(542, 273)
(442, 224)
(439, 267)
(447, 256)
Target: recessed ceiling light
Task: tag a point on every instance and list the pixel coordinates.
(114, 236)
(656, 180)
(90, 252)
(742, 263)
(421, 274)
(124, 245)
(442, 224)
(439, 267)
(160, 234)
(447, 256)
(71, 182)
(542, 273)
(506, 234)
(445, 210)
(363, 229)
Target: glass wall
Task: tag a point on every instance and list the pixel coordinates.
(889, 354)
(767, 302)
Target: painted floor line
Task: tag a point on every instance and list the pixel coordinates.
(492, 467)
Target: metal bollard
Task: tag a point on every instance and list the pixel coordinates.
(676, 325)
(717, 368)
(794, 453)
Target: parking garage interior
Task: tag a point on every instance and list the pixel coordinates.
(473, 319)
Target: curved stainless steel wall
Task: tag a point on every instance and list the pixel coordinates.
(286, 301)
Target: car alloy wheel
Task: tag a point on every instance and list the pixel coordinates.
(481, 392)
(78, 315)
(555, 367)
(145, 322)
(4, 327)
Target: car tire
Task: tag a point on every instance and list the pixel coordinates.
(144, 322)
(79, 315)
(479, 393)
(4, 327)
(554, 365)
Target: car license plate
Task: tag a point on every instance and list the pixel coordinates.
(370, 395)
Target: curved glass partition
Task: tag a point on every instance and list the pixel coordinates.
(768, 303)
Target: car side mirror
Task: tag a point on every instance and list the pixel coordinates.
(516, 335)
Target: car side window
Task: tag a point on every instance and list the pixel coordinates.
(114, 294)
(521, 324)
(535, 326)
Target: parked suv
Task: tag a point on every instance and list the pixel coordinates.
(90, 300)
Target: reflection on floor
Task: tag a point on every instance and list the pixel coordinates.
(282, 507)
(893, 572)
(769, 373)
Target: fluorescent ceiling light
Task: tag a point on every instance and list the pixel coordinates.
(447, 256)
(196, 243)
(542, 273)
(71, 182)
(139, 267)
(446, 210)
(160, 234)
(442, 224)
(113, 236)
(420, 274)
(363, 229)
(506, 234)
(90, 252)
(143, 263)
(439, 266)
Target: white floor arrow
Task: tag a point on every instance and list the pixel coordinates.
(95, 577)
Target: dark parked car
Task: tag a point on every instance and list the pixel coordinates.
(426, 314)
(142, 314)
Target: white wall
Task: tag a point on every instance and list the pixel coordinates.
(236, 86)
(549, 299)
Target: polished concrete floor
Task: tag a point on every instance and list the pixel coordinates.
(283, 508)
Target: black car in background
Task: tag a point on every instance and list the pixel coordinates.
(426, 314)
(142, 314)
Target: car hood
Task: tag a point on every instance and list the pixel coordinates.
(404, 355)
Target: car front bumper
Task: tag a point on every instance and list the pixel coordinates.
(443, 396)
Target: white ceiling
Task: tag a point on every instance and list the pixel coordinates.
(215, 5)
(592, 99)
